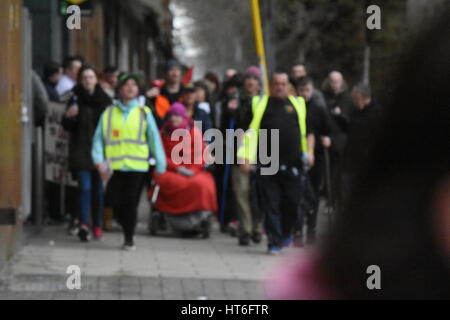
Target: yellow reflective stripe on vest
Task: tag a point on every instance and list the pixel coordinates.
(128, 157)
(125, 140)
(249, 148)
(300, 107)
(139, 140)
(255, 102)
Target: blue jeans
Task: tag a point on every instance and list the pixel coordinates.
(91, 197)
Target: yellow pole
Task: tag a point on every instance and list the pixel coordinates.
(259, 41)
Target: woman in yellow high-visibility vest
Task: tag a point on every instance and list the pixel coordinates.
(125, 136)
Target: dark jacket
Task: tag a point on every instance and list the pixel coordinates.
(361, 127)
(319, 98)
(82, 127)
(51, 91)
(151, 103)
(321, 123)
(342, 100)
(172, 97)
(242, 117)
(203, 117)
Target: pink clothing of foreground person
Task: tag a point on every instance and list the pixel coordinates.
(297, 277)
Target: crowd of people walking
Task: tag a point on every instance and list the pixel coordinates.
(122, 140)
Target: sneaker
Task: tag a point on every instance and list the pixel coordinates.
(274, 250)
(84, 233)
(257, 237)
(244, 241)
(129, 246)
(98, 234)
(286, 242)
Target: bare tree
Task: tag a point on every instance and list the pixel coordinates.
(324, 34)
(221, 33)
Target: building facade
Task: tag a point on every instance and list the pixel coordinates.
(133, 35)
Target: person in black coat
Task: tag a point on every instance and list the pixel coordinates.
(85, 107)
(321, 122)
(228, 116)
(339, 102)
(360, 127)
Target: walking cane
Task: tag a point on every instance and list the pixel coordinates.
(329, 209)
(226, 177)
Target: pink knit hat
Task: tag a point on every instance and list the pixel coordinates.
(254, 71)
(178, 109)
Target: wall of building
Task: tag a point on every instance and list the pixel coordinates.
(126, 34)
(89, 40)
(10, 127)
(129, 35)
(47, 31)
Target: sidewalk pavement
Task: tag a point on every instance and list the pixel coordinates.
(163, 267)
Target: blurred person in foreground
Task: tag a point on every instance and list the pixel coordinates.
(398, 214)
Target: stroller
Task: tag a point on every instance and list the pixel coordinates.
(189, 224)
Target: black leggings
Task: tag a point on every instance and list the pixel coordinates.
(126, 190)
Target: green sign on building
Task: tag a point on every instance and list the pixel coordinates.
(86, 6)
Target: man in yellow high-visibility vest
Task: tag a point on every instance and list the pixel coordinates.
(280, 191)
(125, 136)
